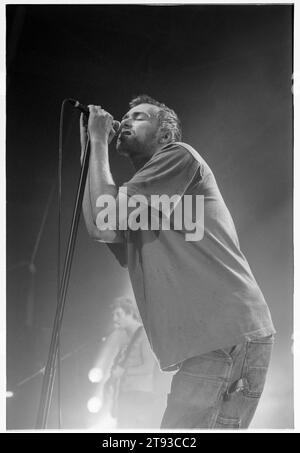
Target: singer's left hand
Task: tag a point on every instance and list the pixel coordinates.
(100, 125)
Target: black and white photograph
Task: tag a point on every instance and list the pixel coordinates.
(149, 162)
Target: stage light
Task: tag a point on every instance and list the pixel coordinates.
(9, 394)
(94, 404)
(105, 423)
(95, 375)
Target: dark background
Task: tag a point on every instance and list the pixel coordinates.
(227, 71)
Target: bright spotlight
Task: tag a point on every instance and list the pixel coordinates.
(9, 394)
(95, 375)
(94, 404)
(107, 422)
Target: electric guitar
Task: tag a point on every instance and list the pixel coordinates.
(112, 385)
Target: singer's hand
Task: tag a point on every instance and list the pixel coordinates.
(100, 124)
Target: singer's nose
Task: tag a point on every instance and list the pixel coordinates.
(125, 122)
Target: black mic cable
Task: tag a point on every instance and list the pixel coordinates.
(116, 124)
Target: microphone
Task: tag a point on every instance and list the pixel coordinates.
(116, 124)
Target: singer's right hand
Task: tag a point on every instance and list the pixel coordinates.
(100, 124)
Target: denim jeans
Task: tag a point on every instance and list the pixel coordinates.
(220, 389)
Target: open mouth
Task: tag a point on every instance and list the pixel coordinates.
(125, 132)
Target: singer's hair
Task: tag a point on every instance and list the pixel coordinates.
(166, 116)
(127, 305)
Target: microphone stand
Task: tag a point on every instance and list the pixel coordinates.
(49, 376)
(42, 370)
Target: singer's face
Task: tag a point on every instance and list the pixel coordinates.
(139, 131)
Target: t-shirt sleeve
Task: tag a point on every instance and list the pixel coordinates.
(168, 172)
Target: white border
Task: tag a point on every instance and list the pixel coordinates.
(296, 192)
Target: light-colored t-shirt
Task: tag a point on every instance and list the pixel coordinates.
(193, 297)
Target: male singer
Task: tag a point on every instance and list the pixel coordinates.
(201, 306)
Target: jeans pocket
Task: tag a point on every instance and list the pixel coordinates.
(257, 359)
(232, 351)
(227, 423)
(195, 391)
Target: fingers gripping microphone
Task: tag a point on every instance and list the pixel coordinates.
(85, 110)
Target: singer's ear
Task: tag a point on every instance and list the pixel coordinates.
(165, 136)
